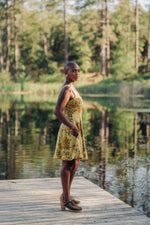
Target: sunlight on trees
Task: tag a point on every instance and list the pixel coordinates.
(102, 36)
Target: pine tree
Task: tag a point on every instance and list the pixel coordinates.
(148, 49)
(107, 46)
(129, 29)
(65, 31)
(137, 37)
(2, 17)
(7, 38)
(103, 47)
(16, 48)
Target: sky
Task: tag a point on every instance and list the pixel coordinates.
(143, 2)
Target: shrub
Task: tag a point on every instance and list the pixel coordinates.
(53, 67)
(4, 78)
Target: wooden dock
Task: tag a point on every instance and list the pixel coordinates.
(36, 201)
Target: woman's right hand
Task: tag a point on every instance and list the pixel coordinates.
(75, 131)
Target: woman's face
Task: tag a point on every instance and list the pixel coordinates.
(73, 72)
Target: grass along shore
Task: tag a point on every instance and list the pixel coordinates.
(88, 84)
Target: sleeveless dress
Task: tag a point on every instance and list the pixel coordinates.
(69, 147)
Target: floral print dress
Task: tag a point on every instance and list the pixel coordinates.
(69, 147)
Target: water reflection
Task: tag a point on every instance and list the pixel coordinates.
(27, 133)
(121, 149)
(117, 137)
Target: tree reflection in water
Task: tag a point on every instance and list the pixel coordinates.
(118, 143)
(104, 135)
(119, 157)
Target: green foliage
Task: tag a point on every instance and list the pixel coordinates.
(53, 67)
(4, 78)
(122, 125)
(47, 78)
(57, 43)
(10, 87)
(40, 38)
(106, 86)
(85, 54)
(123, 65)
(142, 68)
(95, 66)
(110, 80)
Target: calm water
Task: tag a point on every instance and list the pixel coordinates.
(117, 132)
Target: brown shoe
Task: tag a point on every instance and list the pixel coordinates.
(72, 207)
(77, 202)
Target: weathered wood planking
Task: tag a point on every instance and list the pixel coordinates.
(36, 201)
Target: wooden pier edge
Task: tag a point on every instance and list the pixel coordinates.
(36, 201)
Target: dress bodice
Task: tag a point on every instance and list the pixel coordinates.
(74, 105)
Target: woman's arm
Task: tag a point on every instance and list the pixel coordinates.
(63, 99)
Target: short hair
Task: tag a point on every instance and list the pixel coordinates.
(68, 65)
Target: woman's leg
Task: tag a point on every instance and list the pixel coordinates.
(65, 179)
(67, 174)
(73, 170)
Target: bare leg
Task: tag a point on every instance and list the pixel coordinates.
(73, 170)
(65, 179)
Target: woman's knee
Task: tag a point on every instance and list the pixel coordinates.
(66, 165)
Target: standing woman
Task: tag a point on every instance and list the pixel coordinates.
(70, 146)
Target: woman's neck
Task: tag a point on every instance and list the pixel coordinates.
(69, 83)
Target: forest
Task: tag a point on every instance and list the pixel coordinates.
(110, 38)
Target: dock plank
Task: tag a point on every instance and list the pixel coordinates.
(36, 201)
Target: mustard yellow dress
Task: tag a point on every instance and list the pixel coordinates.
(69, 147)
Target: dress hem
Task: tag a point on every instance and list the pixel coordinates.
(70, 159)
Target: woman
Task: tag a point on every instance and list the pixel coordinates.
(70, 146)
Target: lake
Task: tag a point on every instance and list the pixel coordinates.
(117, 133)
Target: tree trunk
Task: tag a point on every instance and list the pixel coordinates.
(1, 124)
(7, 38)
(15, 146)
(137, 37)
(65, 31)
(108, 58)
(1, 54)
(148, 50)
(8, 163)
(134, 158)
(102, 152)
(147, 137)
(107, 47)
(135, 134)
(23, 31)
(126, 142)
(104, 136)
(45, 135)
(106, 127)
(147, 177)
(16, 42)
(102, 54)
(129, 29)
(16, 122)
(45, 45)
